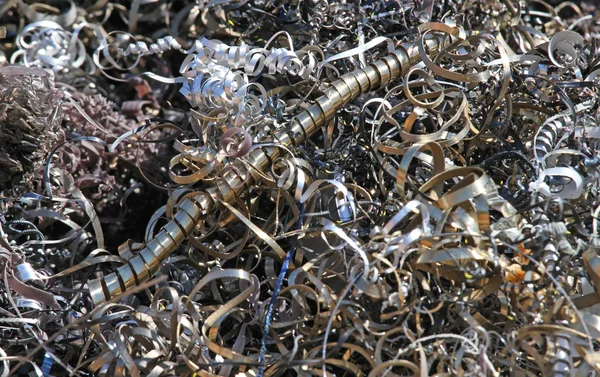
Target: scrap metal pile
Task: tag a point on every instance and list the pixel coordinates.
(299, 188)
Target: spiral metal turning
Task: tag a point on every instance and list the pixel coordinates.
(191, 211)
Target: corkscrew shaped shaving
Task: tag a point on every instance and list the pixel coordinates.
(252, 60)
(191, 211)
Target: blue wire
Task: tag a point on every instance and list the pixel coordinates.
(269, 315)
(47, 365)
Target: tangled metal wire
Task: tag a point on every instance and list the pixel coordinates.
(263, 188)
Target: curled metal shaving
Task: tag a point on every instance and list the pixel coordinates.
(330, 204)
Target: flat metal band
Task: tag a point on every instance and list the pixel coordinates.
(327, 106)
(157, 249)
(317, 115)
(175, 232)
(113, 285)
(351, 83)
(306, 123)
(372, 75)
(394, 66)
(165, 241)
(184, 220)
(190, 207)
(96, 291)
(384, 72)
(151, 261)
(139, 268)
(127, 276)
(363, 81)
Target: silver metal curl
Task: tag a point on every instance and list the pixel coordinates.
(45, 44)
(550, 257)
(214, 86)
(559, 356)
(547, 137)
(252, 60)
(141, 48)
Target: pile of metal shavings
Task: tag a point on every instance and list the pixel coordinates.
(29, 125)
(258, 188)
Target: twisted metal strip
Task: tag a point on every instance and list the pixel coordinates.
(252, 60)
(548, 135)
(162, 45)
